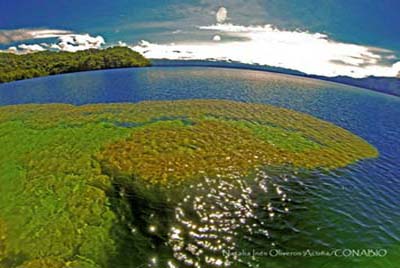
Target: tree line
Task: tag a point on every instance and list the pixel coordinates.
(17, 67)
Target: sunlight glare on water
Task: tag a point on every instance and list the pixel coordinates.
(219, 220)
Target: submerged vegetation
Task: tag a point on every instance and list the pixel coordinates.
(60, 164)
(16, 67)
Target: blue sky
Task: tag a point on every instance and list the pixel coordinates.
(370, 22)
(363, 22)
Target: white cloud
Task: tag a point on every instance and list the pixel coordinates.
(221, 15)
(12, 49)
(29, 48)
(311, 53)
(66, 41)
(217, 38)
(78, 42)
(8, 36)
(41, 34)
(122, 44)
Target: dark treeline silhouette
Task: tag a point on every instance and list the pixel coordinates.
(18, 67)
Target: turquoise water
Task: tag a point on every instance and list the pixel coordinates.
(274, 212)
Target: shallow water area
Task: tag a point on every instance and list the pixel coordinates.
(268, 218)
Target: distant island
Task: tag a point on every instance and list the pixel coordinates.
(17, 67)
(388, 85)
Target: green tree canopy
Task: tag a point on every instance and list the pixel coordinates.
(17, 67)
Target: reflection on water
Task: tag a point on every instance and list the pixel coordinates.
(217, 220)
(214, 219)
(208, 222)
(253, 222)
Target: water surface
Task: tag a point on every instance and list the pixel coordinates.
(356, 207)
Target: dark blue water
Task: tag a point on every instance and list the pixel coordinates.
(352, 208)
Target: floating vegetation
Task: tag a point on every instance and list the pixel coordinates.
(75, 179)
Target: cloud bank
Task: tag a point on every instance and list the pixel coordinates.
(65, 40)
(77, 42)
(9, 36)
(311, 53)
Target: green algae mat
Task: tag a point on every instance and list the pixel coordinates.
(60, 166)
